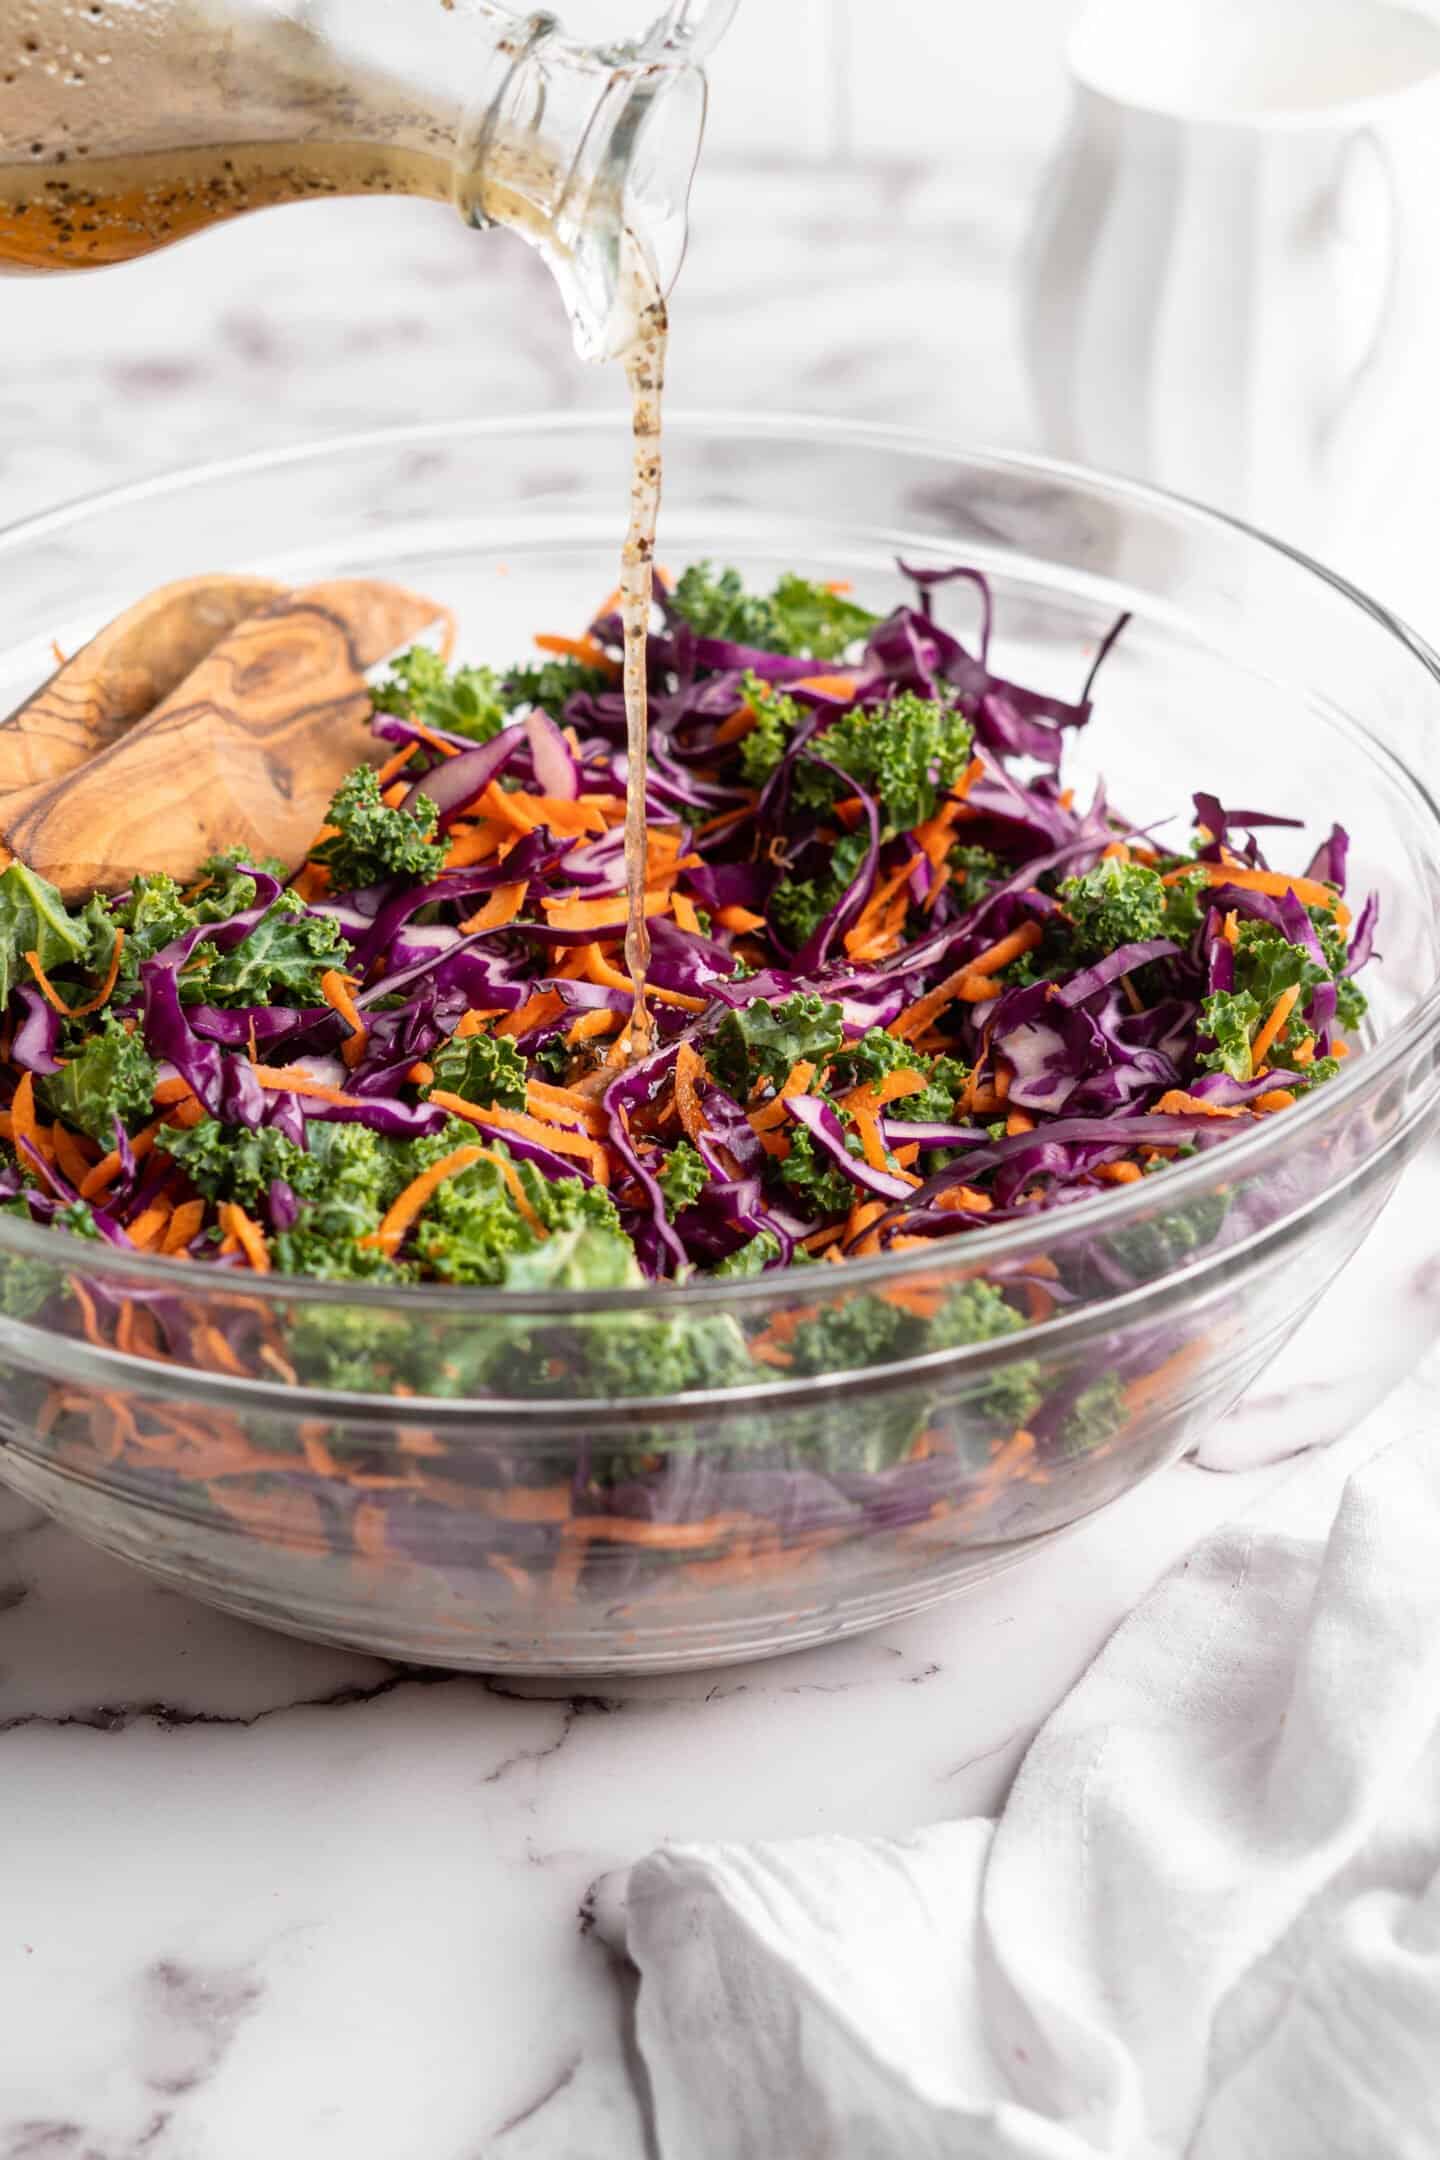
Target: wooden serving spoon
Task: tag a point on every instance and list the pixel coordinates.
(122, 674)
(245, 751)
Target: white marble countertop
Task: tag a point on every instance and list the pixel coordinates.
(257, 1897)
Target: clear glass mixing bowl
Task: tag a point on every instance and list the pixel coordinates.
(554, 1526)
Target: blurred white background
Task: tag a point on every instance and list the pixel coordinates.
(857, 229)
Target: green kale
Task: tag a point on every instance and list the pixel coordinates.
(356, 1349)
(1116, 903)
(876, 1053)
(817, 1182)
(751, 1258)
(1186, 905)
(647, 1354)
(34, 918)
(776, 719)
(850, 1337)
(1148, 1250)
(462, 701)
(1229, 1018)
(907, 752)
(223, 884)
(25, 1285)
(800, 617)
(761, 1041)
(978, 872)
(152, 913)
(471, 1230)
(280, 962)
(1095, 1415)
(483, 1069)
(551, 684)
(372, 841)
(977, 1313)
(682, 1178)
(1351, 1003)
(1267, 964)
(798, 906)
(112, 1076)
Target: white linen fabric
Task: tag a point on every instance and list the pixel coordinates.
(1207, 1923)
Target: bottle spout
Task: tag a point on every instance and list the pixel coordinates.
(588, 151)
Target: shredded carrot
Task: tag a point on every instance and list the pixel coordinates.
(538, 1009)
(298, 1082)
(1018, 1121)
(682, 907)
(1176, 1103)
(471, 844)
(1274, 882)
(68, 1158)
(184, 1225)
(689, 1072)
(837, 686)
(1119, 1173)
(1274, 1027)
(739, 918)
(601, 970)
(591, 1024)
(734, 729)
(583, 649)
(24, 1125)
(964, 1200)
(251, 1239)
(420, 1074)
(402, 1211)
(503, 905)
(774, 1113)
(553, 1137)
(52, 996)
(335, 989)
(973, 974)
(602, 914)
(1274, 1099)
(395, 765)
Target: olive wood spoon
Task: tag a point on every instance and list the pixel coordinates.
(245, 752)
(122, 674)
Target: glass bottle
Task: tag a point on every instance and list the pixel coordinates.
(126, 124)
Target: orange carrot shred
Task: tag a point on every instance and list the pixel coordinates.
(1274, 1027)
(237, 1224)
(335, 989)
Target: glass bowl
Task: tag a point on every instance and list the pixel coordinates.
(563, 1498)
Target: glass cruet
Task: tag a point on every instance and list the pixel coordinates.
(126, 124)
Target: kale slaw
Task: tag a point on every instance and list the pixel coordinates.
(894, 962)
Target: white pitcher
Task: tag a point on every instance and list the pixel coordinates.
(1233, 281)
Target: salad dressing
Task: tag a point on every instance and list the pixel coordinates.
(95, 211)
(645, 373)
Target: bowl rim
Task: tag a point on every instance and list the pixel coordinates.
(1264, 1145)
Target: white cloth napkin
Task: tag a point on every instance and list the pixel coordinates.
(1207, 1923)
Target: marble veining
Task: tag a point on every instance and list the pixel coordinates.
(263, 1897)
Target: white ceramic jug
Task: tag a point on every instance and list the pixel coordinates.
(1233, 280)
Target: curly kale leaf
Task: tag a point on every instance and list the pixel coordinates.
(1095, 1415)
(372, 841)
(1115, 903)
(682, 1178)
(462, 701)
(482, 1069)
(34, 918)
(112, 1076)
(978, 1313)
(752, 1258)
(281, 962)
(908, 753)
(820, 1185)
(762, 1041)
(551, 684)
(776, 719)
(876, 1053)
(799, 617)
(798, 906)
(1229, 1019)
